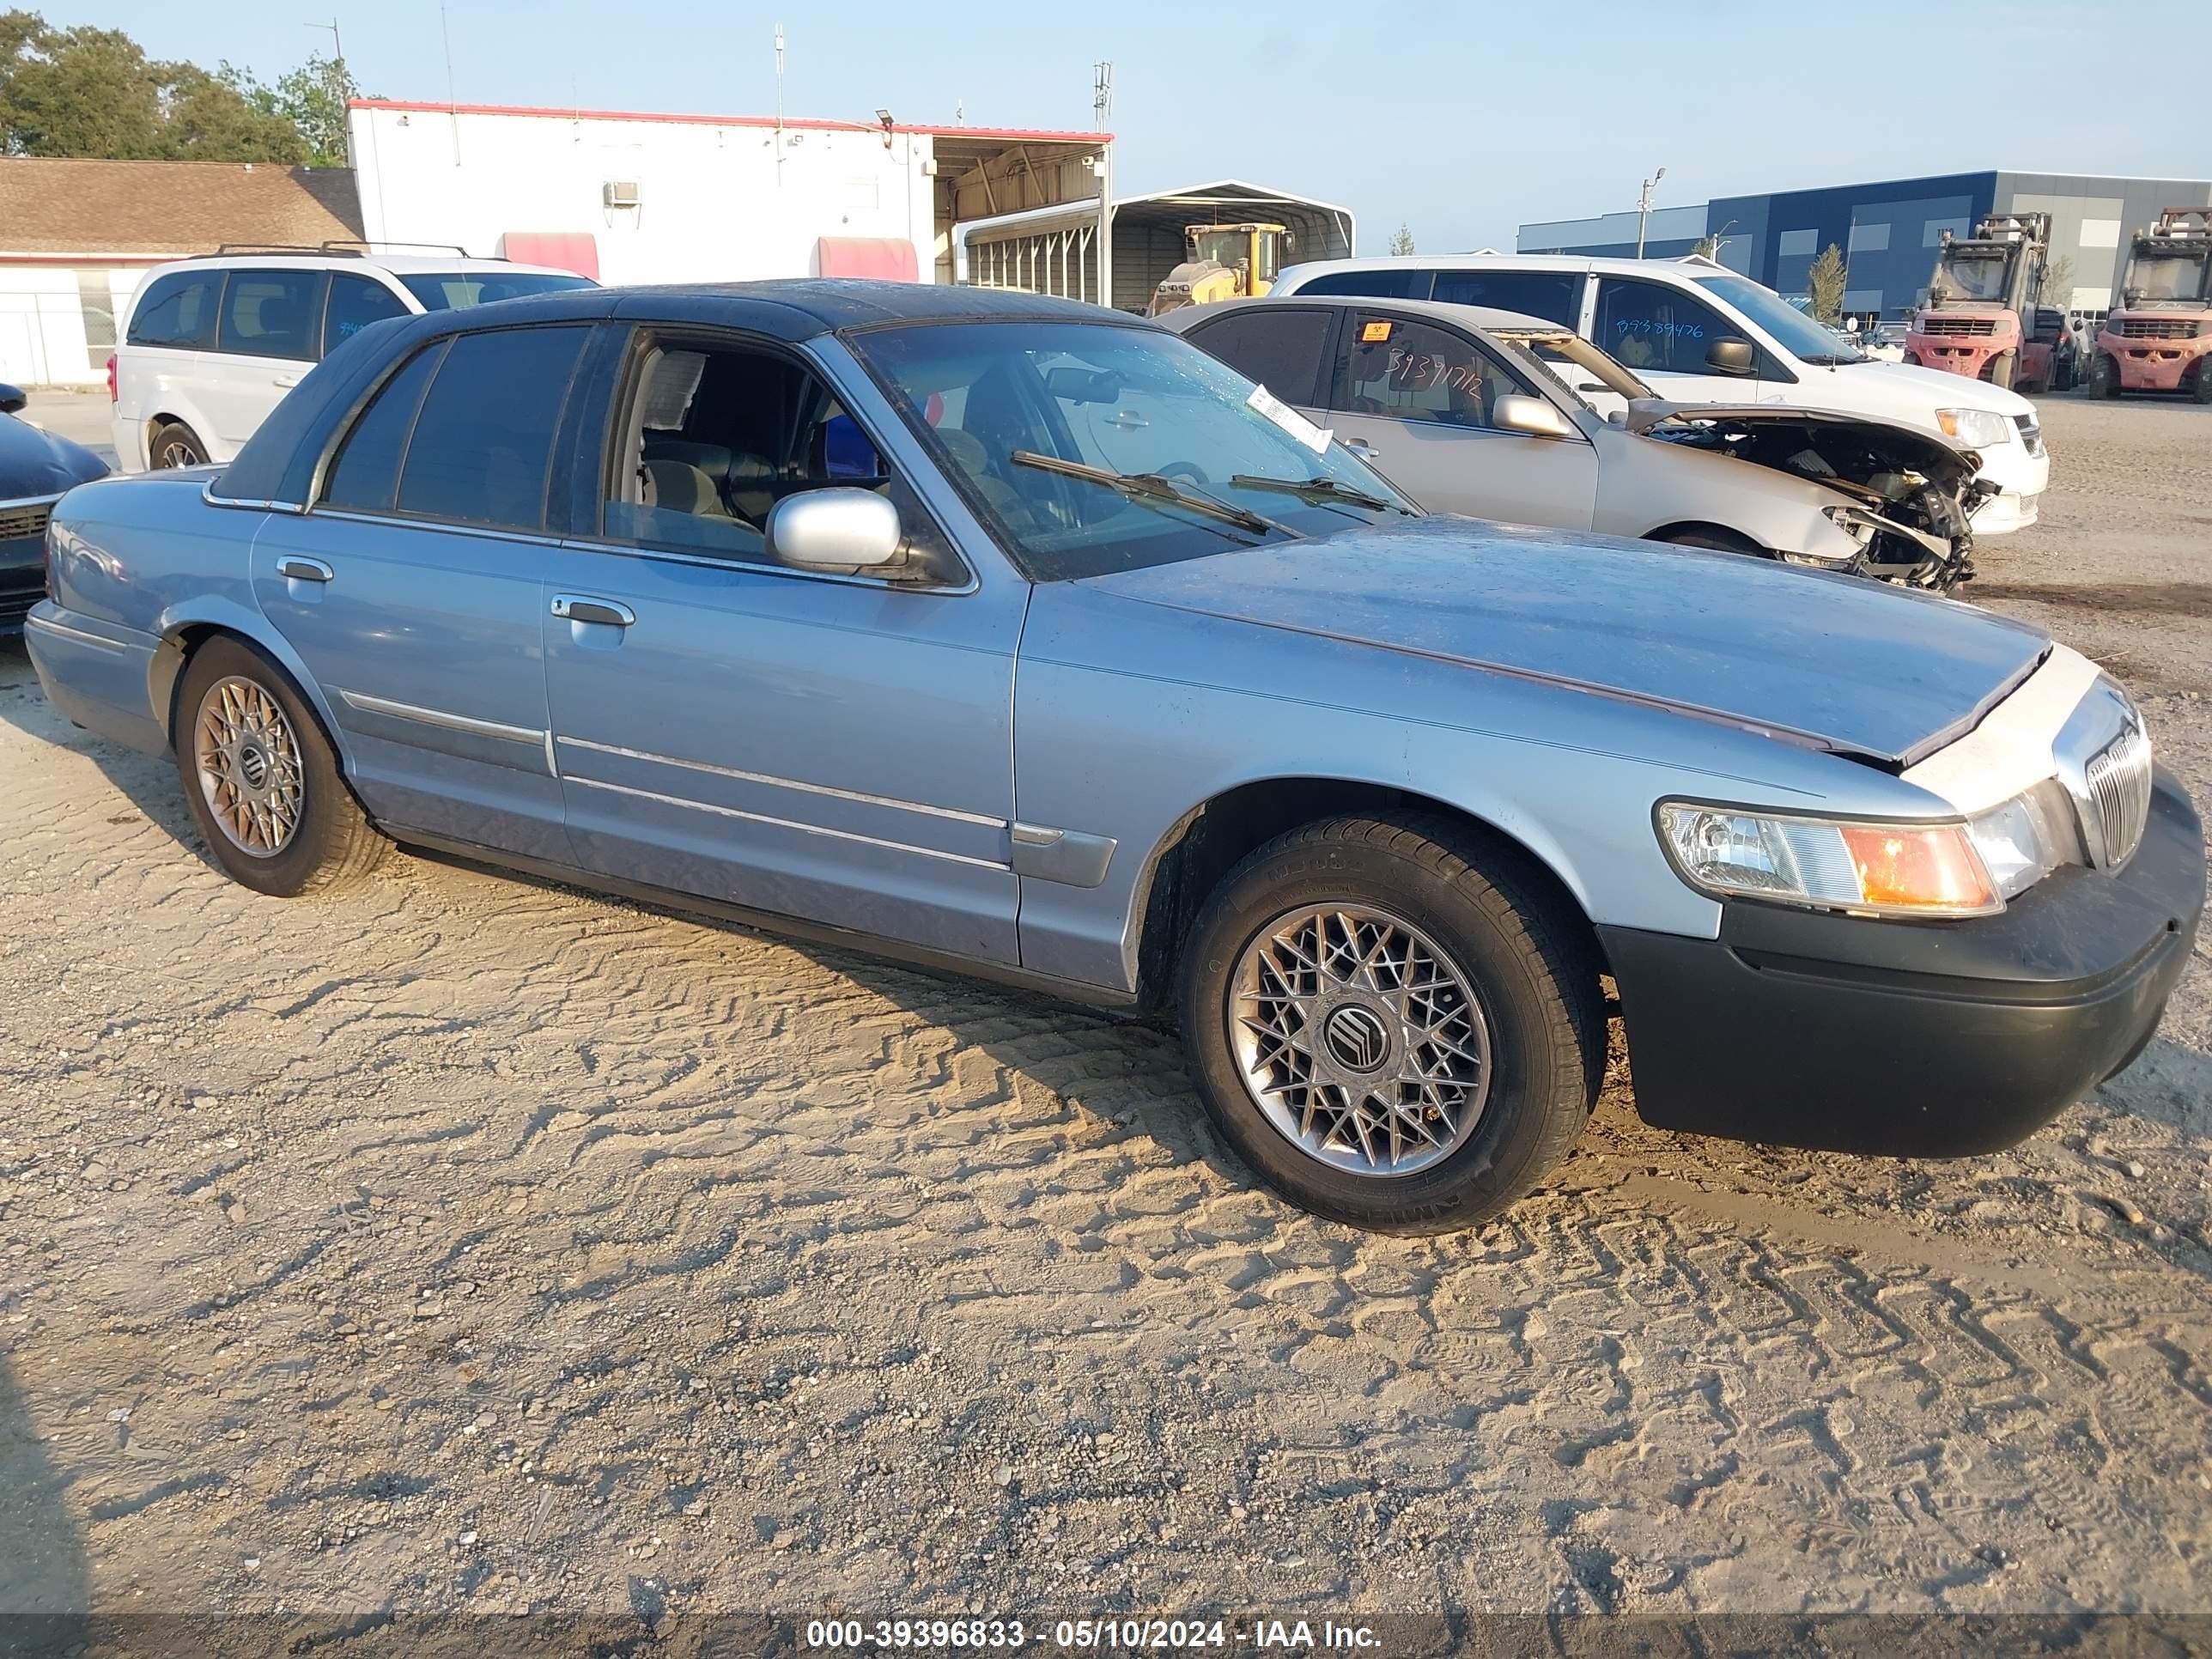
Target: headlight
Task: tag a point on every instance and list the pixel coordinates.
(2026, 838)
(1888, 869)
(1977, 429)
(2204, 328)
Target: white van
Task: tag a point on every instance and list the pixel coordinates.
(212, 345)
(1699, 332)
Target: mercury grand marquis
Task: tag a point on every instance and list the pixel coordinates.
(1012, 635)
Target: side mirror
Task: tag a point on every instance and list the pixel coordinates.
(839, 530)
(11, 399)
(1533, 417)
(1731, 357)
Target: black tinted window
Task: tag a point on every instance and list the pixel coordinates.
(271, 313)
(1397, 282)
(1280, 348)
(178, 311)
(355, 302)
(483, 442)
(1409, 371)
(1648, 327)
(367, 464)
(1550, 295)
(459, 290)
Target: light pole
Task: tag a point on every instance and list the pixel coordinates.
(1643, 208)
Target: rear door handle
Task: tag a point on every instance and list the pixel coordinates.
(574, 607)
(289, 380)
(304, 570)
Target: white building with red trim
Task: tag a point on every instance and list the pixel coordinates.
(641, 197)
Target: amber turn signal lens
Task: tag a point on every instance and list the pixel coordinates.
(1936, 867)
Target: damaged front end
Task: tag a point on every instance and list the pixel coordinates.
(1908, 497)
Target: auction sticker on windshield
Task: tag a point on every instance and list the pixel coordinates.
(1312, 437)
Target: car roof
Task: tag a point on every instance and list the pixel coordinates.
(400, 264)
(1686, 267)
(1481, 319)
(799, 308)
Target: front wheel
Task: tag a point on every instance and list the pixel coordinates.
(1395, 1025)
(2203, 386)
(1999, 370)
(2108, 377)
(260, 781)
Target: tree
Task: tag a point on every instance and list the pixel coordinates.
(1826, 280)
(1401, 241)
(2059, 282)
(94, 92)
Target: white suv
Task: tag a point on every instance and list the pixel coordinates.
(1685, 324)
(212, 345)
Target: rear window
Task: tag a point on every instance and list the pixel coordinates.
(365, 474)
(1281, 347)
(355, 302)
(481, 450)
(458, 290)
(1550, 295)
(178, 310)
(1396, 282)
(271, 313)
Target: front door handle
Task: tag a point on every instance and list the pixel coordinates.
(574, 607)
(291, 380)
(304, 570)
(1361, 447)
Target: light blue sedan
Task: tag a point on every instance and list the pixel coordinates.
(1024, 639)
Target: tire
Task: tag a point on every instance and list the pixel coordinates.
(1513, 975)
(274, 742)
(1911, 358)
(2107, 382)
(1712, 536)
(173, 445)
(1999, 370)
(2202, 389)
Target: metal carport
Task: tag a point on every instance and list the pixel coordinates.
(1056, 250)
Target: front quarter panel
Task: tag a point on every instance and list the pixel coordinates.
(1129, 716)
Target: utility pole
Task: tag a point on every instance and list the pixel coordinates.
(1102, 110)
(337, 62)
(337, 46)
(1643, 208)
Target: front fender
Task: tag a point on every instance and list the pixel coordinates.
(191, 618)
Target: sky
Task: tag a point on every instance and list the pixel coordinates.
(1460, 121)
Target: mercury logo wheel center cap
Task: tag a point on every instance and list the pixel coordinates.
(1357, 1038)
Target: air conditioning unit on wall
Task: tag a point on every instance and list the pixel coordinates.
(620, 193)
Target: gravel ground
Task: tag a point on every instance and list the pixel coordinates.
(464, 1244)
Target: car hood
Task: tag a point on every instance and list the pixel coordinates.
(36, 462)
(1851, 666)
(1906, 391)
(1930, 452)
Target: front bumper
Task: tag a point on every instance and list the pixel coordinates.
(2021, 479)
(2153, 365)
(1802, 1027)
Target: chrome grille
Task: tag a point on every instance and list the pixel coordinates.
(2118, 776)
(1939, 324)
(23, 521)
(2158, 328)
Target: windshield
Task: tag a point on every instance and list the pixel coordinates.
(1224, 247)
(1130, 400)
(458, 290)
(1970, 276)
(1791, 329)
(2166, 276)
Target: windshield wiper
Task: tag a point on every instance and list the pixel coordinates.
(1319, 489)
(1837, 359)
(1149, 487)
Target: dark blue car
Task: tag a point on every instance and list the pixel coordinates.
(36, 469)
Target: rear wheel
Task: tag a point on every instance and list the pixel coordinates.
(1393, 1025)
(260, 781)
(173, 445)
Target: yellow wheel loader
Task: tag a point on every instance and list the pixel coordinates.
(1227, 262)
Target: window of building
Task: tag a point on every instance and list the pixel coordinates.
(96, 300)
(1869, 238)
(1798, 244)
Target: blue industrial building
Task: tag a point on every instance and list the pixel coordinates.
(1889, 232)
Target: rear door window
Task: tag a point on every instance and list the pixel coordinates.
(482, 447)
(1281, 347)
(1396, 282)
(365, 474)
(272, 314)
(1550, 295)
(355, 302)
(178, 311)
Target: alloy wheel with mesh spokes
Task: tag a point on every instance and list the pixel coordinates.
(250, 775)
(1359, 1039)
